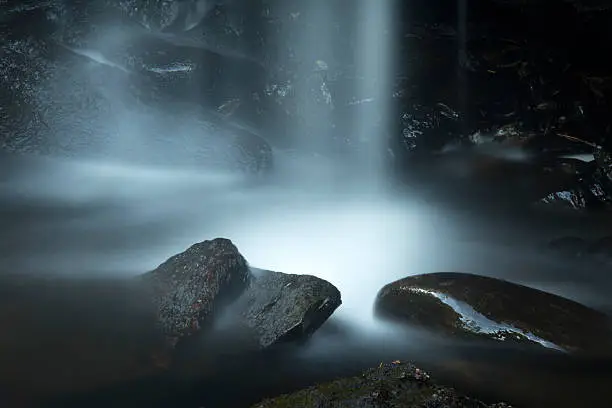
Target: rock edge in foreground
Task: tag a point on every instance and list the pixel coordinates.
(396, 384)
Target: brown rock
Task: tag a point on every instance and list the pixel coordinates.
(469, 305)
(190, 286)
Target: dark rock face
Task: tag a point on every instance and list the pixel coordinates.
(211, 281)
(473, 306)
(189, 287)
(510, 81)
(103, 333)
(390, 385)
(281, 307)
(120, 92)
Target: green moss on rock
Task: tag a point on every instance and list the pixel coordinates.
(389, 385)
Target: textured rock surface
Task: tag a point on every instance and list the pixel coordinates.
(475, 306)
(101, 333)
(389, 385)
(122, 93)
(212, 279)
(281, 307)
(189, 287)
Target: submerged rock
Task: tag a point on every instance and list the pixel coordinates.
(189, 287)
(389, 385)
(473, 306)
(572, 247)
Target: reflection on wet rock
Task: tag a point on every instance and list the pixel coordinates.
(568, 199)
(478, 307)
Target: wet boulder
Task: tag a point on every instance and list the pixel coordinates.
(105, 333)
(564, 200)
(587, 186)
(478, 307)
(198, 291)
(390, 385)
(279, 307)
(588, 195)
(189, 287)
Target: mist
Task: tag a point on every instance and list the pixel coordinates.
(115, 188)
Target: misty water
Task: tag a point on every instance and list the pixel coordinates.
(313, 215)
(118, 207)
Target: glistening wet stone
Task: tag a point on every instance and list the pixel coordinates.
(190, 286)
(472, 306)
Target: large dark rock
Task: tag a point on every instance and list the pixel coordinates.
(211, 281)
(280, 307)
(389, 385)
(472, 306)
(190, 287)
(67, 335)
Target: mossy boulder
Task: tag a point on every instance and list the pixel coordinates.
(396, 384)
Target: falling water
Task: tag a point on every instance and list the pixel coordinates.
(316, 214)
(374, 64)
